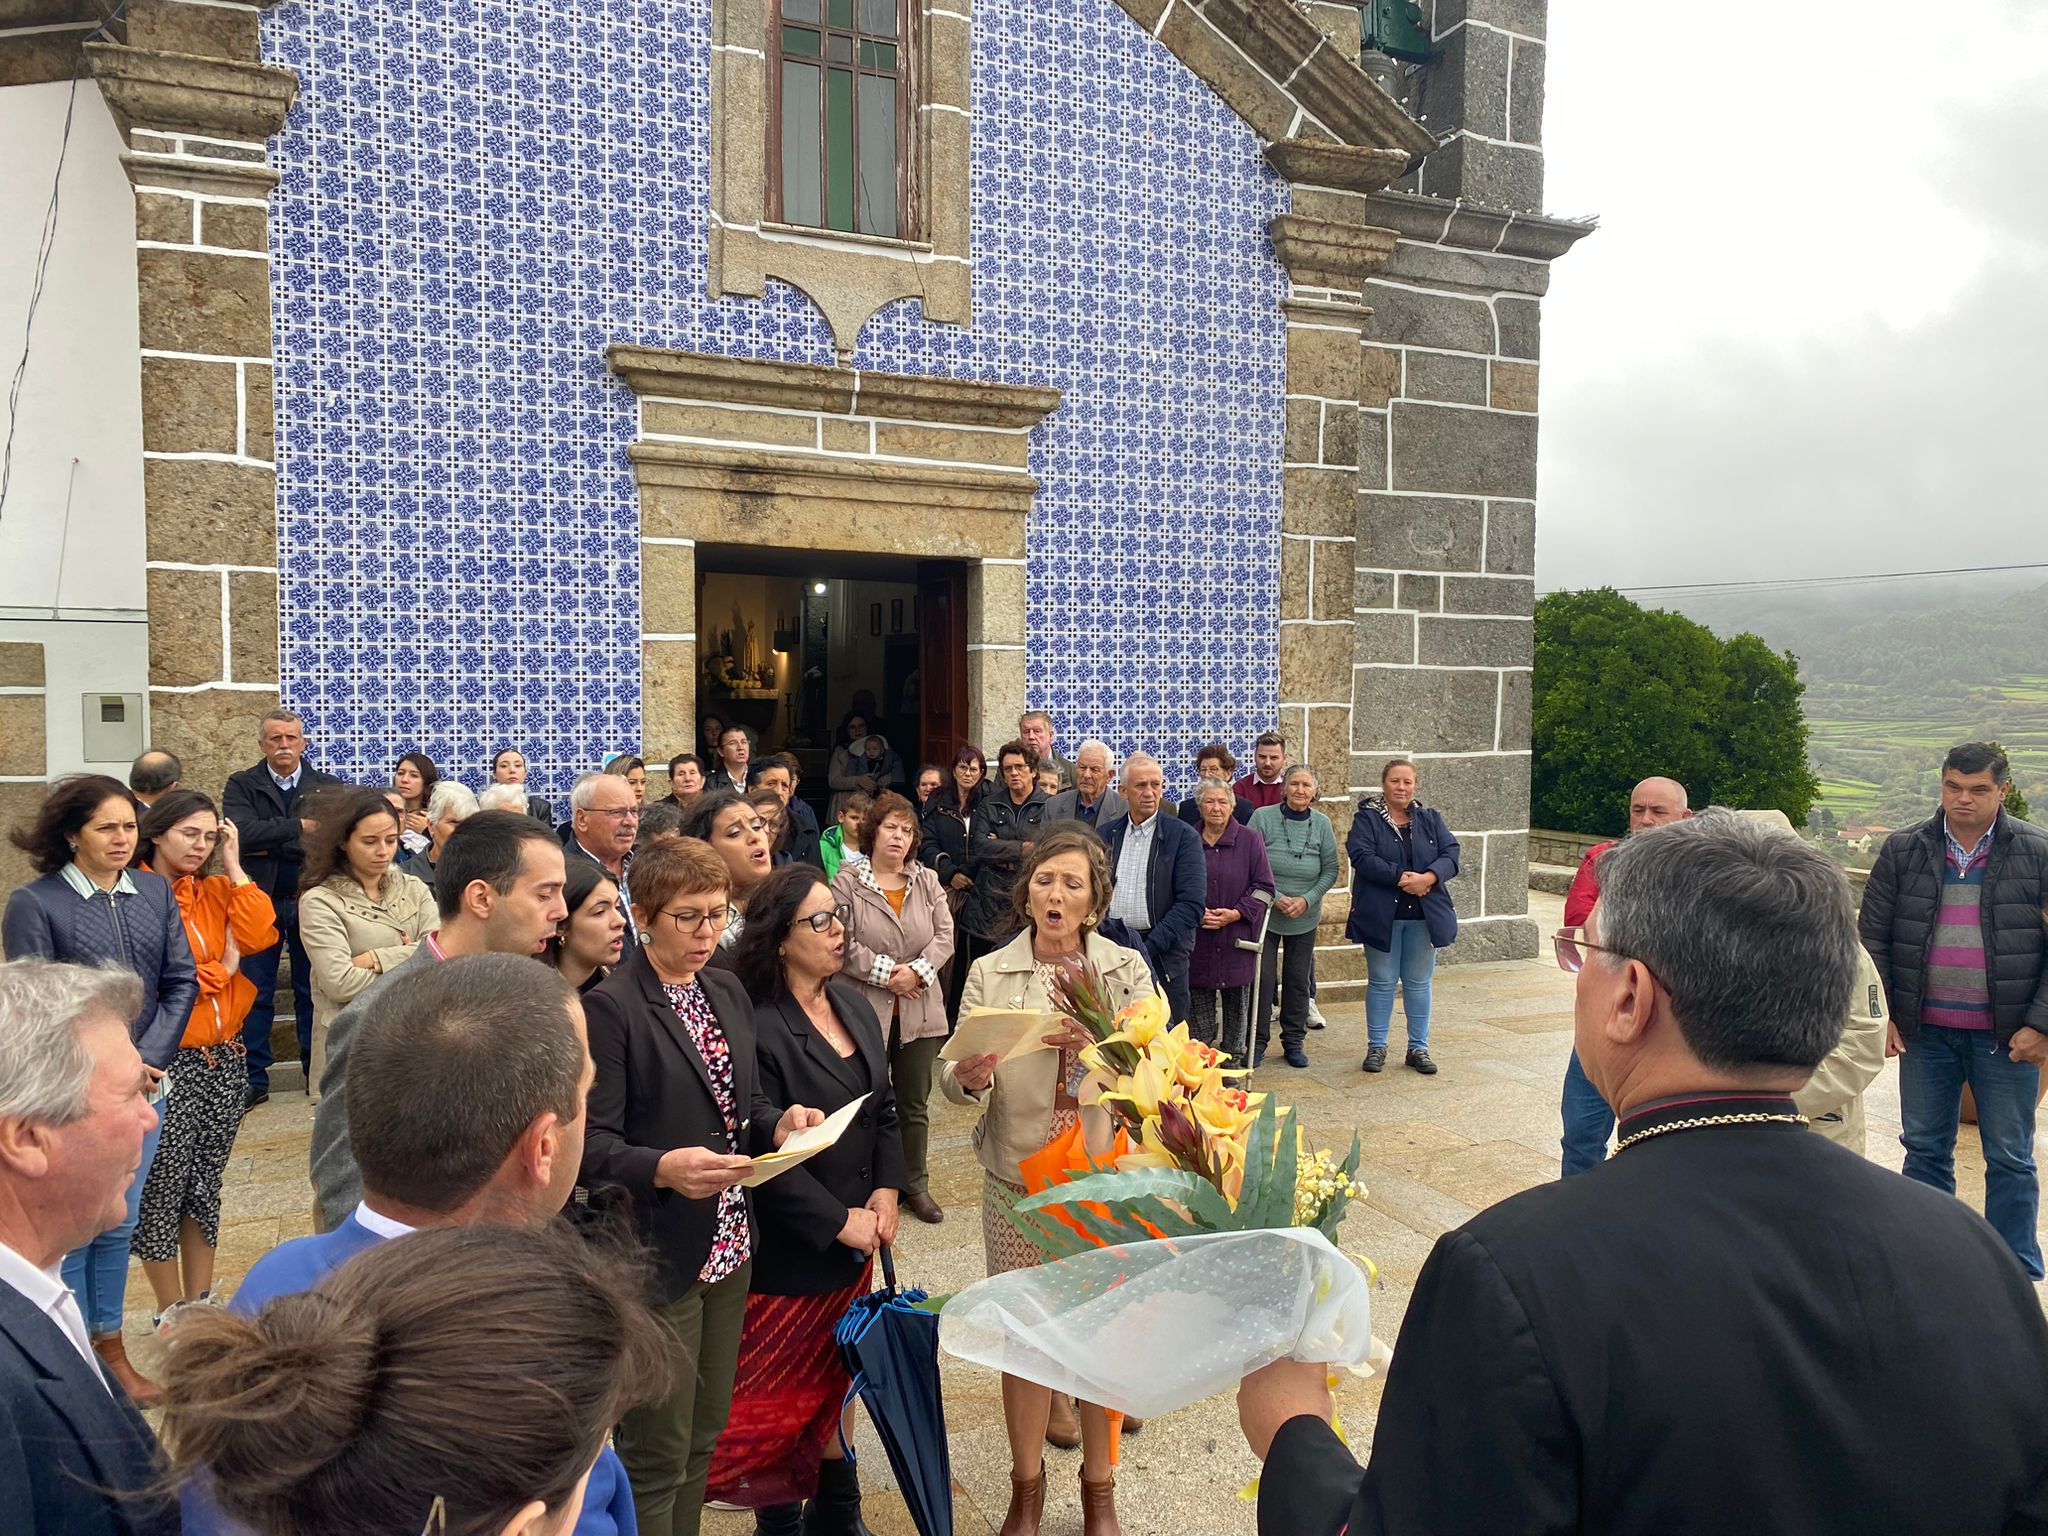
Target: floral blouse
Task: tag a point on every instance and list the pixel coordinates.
(731, 1245)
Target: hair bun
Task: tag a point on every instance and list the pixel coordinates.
(266, 1403)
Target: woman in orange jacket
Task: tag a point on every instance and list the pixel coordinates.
(226, 917)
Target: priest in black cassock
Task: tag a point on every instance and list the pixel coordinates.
(1733, 1326)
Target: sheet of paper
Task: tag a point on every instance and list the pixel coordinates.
(1004, 1033)
(803, 1145)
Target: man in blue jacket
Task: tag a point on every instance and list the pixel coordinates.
(1160, 878)
(466, 1095)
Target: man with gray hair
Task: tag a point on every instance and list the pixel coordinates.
(75, 1454)
(1711, 1330)
(1035, 730)
(1161, 880)
(1093, 799)
(267, 805)
(604, 823)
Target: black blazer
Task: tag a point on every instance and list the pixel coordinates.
(652, 1093)
(269, 828)
(1734, 1329)
(802, 1211)
(66, 1438)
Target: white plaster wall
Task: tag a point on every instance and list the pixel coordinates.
(71, 532)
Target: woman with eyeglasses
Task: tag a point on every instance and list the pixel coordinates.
(819, 1043)
(677, 1111)
(738, 834)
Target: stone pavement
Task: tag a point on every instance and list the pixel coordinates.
(1436, 1150)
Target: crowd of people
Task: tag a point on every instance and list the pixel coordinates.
(506, 1019)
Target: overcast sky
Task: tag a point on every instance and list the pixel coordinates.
(1811, 333)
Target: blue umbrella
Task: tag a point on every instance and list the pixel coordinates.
(892, 1349)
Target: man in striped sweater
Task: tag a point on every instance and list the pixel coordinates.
(1953, 917)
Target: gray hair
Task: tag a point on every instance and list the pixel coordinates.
(502, 797)
(1092, 745)
(584, 791)
(1137, 760)
(283, 715)
(1748, 927)
(458, 800)
(1313, 777)
(44, 1070)
(1210, 787)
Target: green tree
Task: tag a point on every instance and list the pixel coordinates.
(2015, 802)
(1622, 692)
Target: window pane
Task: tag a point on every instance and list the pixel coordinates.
(839, 148)
(839, 48)
(800, 10)
(801, 185)
(884, 56)
(800, 40)
(877, 156)
(878, 17)
(842, 13)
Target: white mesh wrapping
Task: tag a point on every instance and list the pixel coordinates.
(1151, 1327)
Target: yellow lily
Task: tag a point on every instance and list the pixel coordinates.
(1143, 1021)
(1136, 1097)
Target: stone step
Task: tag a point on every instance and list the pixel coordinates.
(1554, 878)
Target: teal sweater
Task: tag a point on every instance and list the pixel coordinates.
(1304, 859)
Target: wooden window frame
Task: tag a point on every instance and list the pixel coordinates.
(908, 43)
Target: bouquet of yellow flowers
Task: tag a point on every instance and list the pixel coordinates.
(1208, 1155)
(1203, 1252)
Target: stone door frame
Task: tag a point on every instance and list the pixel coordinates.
(738, 451)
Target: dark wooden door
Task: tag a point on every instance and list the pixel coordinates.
(942, 664)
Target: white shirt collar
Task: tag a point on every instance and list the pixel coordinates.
(45, 1290)
(284, 783)
(383, 1226)
(76, 879)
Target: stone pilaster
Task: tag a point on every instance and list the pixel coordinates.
(24, 749)
(196, 107)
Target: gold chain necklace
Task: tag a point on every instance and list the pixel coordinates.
(1690, 1125)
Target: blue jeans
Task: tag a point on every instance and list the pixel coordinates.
(1938, 1061)
(98, 1273)
(1588, 1122)
(1409, 960)
(261, 969)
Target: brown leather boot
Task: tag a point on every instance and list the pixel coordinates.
(1098, 1507)
(1063, 1427)
(1027, 1505)
(143, 1392)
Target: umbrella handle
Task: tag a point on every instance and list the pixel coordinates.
(888, 1267)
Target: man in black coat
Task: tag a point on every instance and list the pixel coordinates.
(75, 1455)
(1952, 917)
(1731, 1326)
(1161, 878)
(266, 805)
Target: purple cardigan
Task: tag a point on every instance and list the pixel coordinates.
(1237, 867)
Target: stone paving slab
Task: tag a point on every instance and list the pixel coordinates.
(1435, 1151)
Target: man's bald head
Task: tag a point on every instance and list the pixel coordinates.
(1654, 802)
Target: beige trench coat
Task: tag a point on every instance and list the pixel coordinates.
(337, 922)
(1016, 1108)
(878, 942)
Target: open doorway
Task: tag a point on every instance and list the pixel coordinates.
(789, 642)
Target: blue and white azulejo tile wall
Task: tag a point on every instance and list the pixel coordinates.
(479, 197)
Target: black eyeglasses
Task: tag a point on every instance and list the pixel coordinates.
(821, 922)
(688, 921)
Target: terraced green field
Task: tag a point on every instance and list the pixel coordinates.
(1873, 746)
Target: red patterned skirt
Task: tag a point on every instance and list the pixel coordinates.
(786, 1398)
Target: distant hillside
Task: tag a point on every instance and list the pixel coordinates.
(1896, 675)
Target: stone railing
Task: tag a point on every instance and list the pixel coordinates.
(1565, 848)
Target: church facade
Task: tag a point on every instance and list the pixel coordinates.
(1183, 372)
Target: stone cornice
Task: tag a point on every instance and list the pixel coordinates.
(1322, 253)
(698, 376)
(1279, 71)
(182, 91)
(1339, 167)
(207, 178)
(1440, 221)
